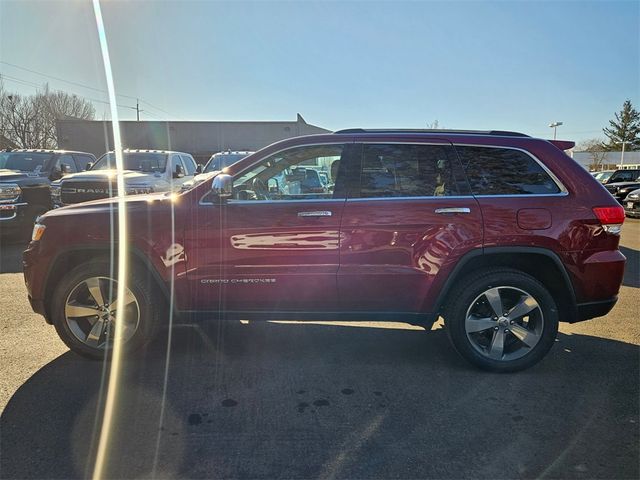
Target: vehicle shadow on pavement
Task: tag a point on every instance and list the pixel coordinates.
(265, 400)
(632, 267)
(11, 256)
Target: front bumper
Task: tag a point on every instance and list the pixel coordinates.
(13, 216)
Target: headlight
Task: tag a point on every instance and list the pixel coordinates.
(9, 191)
(187, 186)
(38, 231)
(138, 189)
(634, 195)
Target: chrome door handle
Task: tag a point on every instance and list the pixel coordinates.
(444, 211)
(315, 213)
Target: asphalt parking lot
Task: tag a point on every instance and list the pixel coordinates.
(290, 400)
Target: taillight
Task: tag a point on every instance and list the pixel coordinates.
(611, 218)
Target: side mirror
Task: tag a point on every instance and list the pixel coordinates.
(88, 166)
(222, 186)
(199, 168)
(179, 173)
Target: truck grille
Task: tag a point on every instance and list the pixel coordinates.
(76, 192)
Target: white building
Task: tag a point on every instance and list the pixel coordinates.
(631, 159)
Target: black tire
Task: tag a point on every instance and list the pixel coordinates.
(150, 307)
(464, 297)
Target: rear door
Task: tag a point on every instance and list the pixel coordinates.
(408, 219)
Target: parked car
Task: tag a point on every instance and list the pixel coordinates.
(631, 203)
(145, 171)
(494, 231)
(627, 175)
(620, 190)
(603, 175)
(216, 163)
(25, 176)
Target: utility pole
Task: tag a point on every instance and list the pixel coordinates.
(137, 110)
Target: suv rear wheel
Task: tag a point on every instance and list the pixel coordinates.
(84, 309)
(502, 320)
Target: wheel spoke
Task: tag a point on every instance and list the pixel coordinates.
(474, 324)
(128, 299)
(93, 284)
(528, 337)
(526, 304)
(75, 310)
(493, 297)
(96, 332)
(496, 347)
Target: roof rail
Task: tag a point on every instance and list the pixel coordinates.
(441, 131)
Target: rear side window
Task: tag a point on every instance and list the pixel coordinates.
(503, 171)
(404, 170)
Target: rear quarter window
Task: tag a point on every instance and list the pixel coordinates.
(504, 171)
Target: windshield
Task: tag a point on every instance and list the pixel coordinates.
(138, 161)
(24, 161)
(222, 160)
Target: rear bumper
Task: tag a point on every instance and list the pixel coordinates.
(588, 310)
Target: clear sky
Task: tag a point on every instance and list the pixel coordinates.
(476, 65)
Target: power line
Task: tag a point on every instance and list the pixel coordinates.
(82, 85)
(39, 87)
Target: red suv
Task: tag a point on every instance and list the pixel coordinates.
(501, 234)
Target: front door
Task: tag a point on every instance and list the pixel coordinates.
(274, 246)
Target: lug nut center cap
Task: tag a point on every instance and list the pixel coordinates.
(503, 321)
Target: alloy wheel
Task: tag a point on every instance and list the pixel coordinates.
(90, 312)
(504, 323)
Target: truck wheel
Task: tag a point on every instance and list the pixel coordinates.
(84, 310)
(502, 320)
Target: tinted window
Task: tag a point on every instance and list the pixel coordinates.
(503, 171)
(410, 171)
(66, 159)
(24, 161)
(189, 164)
(624, 176)
(83, 160)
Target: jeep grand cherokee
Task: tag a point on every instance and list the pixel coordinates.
(501, 234)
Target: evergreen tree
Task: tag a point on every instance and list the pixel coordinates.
(625, 127)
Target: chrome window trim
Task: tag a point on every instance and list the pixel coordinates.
(563, 190)
(260, 202)
(316, 144)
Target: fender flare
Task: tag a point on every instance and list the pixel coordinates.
(488, 251)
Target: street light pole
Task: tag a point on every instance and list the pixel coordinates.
(624, 142)
(555, 126)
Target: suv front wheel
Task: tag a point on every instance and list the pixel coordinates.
(84, 309)
(502, 320)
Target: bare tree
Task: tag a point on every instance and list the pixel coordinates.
(597, 149)
(30, 121)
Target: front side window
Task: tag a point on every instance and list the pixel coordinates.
(624, 176)
(148, 162)
(405, 170)
(68, 161)
(504, 171)
(83, 160)
(294, 174)
(189, 164)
